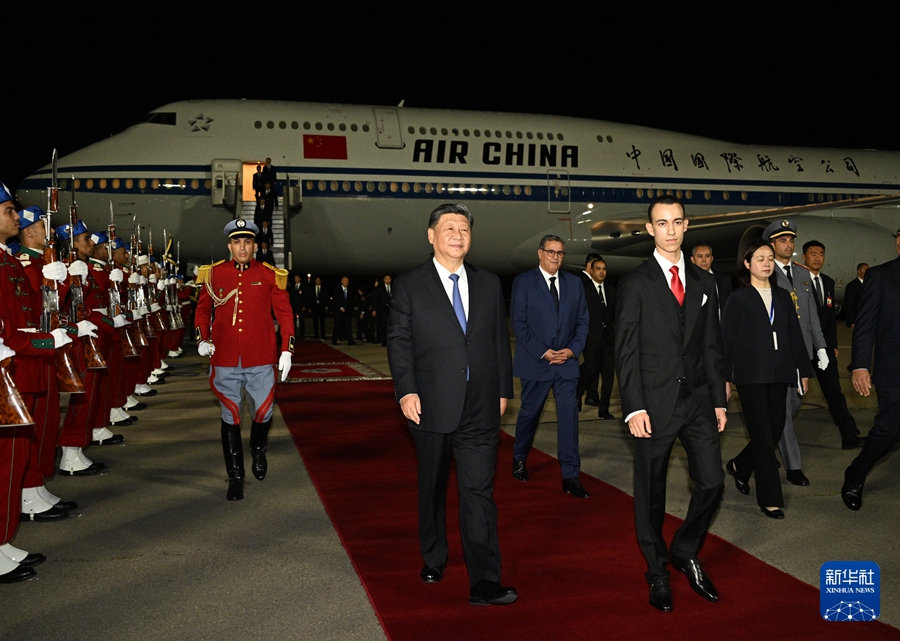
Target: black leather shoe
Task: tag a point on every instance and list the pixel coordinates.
(491, 593)
(431, 575)
(152, 392)
(520, 472)
(661, 594)
(742, 487)
(573, 487)
(605, 416)
(55, 513)
(67, 505)
(852, 492)
(594, 402)
(19, 574)
(136, 408)
(851, 443)
(700, 583)
(96, 468)
(124, 423)
(776, 514)
(235, 486)
(797, 477)
(33, 559)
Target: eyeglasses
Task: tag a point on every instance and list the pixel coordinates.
(552, 253)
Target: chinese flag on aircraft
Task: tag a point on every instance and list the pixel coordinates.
(325, 147)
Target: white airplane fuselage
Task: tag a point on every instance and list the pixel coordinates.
(369, 176)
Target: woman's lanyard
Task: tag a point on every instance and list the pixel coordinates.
(772, 321)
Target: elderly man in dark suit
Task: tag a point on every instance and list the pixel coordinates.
(877, 327)
(599, 351)
(669, 365)
(550, 319)
(448, 349)
(702, 257)
(829, 378)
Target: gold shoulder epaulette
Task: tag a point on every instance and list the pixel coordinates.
(203, 271)
(281, 276)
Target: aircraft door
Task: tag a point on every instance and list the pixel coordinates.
(226, 182)
(558, 198)
(388, 127)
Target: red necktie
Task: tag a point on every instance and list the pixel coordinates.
(677, 287)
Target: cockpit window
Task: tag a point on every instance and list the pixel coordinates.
(162, 118)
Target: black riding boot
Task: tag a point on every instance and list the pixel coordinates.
(259, 442)
(233, 450)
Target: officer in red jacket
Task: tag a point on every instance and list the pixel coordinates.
(240, 338)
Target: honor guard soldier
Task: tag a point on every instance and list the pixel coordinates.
(240, 339)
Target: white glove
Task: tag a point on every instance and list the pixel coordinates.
(143, 280)
(60, 337)
(205, 348)
(284, 365)
(55, 271)
(822, 354)
(143, 311)
(171, 281)
(152, 278)
(78, 268)
(86, 328)
(5, 352)
(161, 285)
(155, 307)
(120, 321)
(116, 275)
(136, 313)
(134, 278)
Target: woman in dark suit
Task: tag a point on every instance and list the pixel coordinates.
(763, 354)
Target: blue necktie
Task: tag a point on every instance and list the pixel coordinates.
(457, 303)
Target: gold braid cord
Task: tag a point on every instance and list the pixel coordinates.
(217, 301)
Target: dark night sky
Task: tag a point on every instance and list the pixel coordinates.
(748, 76)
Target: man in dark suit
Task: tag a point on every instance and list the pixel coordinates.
(342, 303)
(296, 292)
(318, 307)
(381, 308)
(702, 257)
(591, 397)
(877, 326)
(669, 365)
(448, 349)
(599, 351)
(550, 319)
(829, 378)
(851, 294)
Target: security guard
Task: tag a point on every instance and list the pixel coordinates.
(240, 339)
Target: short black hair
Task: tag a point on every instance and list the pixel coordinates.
(664, 200)
(550, 238)
(858, 267)
(590, 258)
(743, 273)
(599, 259)
(812, 243)
(449, 208)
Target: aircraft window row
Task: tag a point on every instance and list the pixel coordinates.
(831, 197)
(307, 126)
(496, 133)
(417, 188)
(129, 183)
(707, 195)
(600, 138)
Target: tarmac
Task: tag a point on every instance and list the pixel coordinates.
(156, 552)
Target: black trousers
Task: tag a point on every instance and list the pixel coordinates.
(830, 382)
(764, 410)
(475, 450)
(318, 323)
(883, 436)
(599, 361)
(700, 438)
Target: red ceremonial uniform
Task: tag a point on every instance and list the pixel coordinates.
(243, 330)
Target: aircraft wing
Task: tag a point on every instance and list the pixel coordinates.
(617, 236)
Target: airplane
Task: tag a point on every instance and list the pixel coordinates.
(359, 181)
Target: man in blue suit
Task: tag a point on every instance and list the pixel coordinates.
(550, 318)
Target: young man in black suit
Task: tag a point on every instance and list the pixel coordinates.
(851, 294)
(829, 378)
(448, 349)
(877, 327)
(599, 351)
(669, 366)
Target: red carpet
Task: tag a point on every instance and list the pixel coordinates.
(575, 564)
